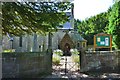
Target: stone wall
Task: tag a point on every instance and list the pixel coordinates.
(102, 61)
(26, 65)
(118, 61)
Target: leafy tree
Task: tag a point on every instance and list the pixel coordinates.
(93, 25)
(28, 17)
(114, 24)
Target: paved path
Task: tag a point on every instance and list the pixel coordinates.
(70, 72)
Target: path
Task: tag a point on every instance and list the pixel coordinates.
(70, 72)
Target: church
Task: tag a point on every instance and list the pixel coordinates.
(65, 38)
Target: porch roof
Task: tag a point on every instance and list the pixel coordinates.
(77, 37)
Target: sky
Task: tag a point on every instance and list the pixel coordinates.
(86, 8)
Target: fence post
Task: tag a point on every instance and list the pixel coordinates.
(49, 54)
(82, 60)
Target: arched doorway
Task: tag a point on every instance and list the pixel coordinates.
(66, 43)
(66, 51)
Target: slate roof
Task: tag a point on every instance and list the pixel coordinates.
(66, 25)
(76, 37)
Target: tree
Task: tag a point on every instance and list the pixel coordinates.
(114, 24)
(93, 25)
(28, 17)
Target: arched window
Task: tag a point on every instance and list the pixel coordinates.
(78, 44)
(83, 45)
(20, 41)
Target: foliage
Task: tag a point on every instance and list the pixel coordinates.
(93, 25)
(56, 56)
(76, 58)
(58, 52)
(74, 51)
(55, 59)
(9, 50)
(114, 24)
(19, 18)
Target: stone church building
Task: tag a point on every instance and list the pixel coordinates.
(66, 37)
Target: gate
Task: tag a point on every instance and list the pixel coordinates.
(67, 66)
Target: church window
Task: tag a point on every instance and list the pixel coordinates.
(83, 44)
(78, 44)
(58, 46)
(20, 41)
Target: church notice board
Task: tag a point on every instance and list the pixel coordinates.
(102, 40)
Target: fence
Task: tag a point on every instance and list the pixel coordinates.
(26, 65)
(102, 61)
(118, 61)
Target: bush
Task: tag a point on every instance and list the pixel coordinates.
(58, 52)
(56, 59)
(74, 51)
(9, 50)
(56, 56)
(75, 58)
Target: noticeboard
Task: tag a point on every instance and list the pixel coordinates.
(102, 40)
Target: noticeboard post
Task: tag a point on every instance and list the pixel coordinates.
(102, 40)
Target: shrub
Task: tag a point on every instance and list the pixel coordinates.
(75, 58)
(9, 50)
(56, 59)
(58, 52)
(74, 51)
